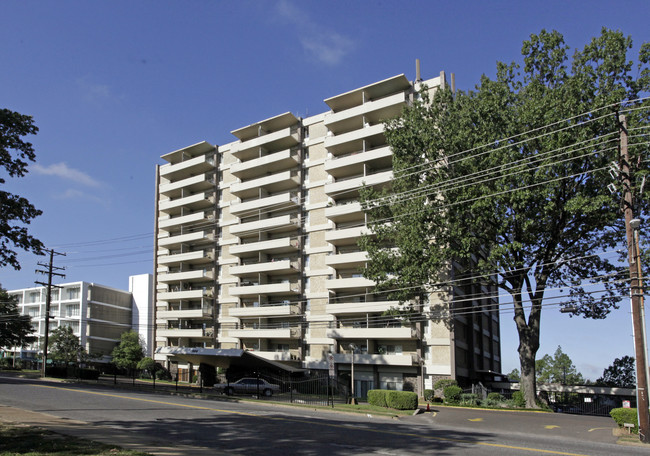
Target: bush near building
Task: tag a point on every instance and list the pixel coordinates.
(399, 400)
(452, 394)
(626, 415)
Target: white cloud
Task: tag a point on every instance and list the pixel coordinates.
(93, 92)
(324, 44)
(64, 172)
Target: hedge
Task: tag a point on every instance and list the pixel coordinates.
(625, 415)
(377, 397)
(429, 395)
(452, 394)
(399, 400)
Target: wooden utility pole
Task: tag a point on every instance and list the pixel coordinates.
(48, 298)
(638, 323)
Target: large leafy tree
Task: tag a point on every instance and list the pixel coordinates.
(15, 211)
(558, 369)
(129, 352)
(509, 183)
(64, 346)
(15, 329)
(620, 373)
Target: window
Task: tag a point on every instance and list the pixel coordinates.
(73, 293)
(282, 348)
(72, 310)
(17, 297)
(34, 296)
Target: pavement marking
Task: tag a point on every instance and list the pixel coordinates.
(597, 429)
(474, 419)
(311, 422)
(551, 426)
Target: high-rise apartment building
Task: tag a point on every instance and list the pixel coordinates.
(257, 250)
(97, 314)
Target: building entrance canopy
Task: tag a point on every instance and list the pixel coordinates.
(224, 358)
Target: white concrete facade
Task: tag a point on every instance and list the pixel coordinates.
(97, 314)
(257, 249)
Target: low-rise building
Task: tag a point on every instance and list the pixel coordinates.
(97, 314)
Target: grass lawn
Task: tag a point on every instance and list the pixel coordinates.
(34, 441)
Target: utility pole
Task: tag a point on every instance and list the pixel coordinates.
(638, 323)
(48, 298)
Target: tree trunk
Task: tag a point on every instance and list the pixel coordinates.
(528, 384)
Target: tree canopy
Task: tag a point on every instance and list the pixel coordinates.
(64, 346)
(620, 373)
(129, 351)
(16, 211)
(510, 182)
(558, 369)
(15, 329)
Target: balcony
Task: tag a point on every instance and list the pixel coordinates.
(188, 333)
(346, 236)
(350, 186)
(345, 212)
(177, 295)
(198, 257)
(280, 267)
(200, 275)
(372, 91)
(292, 355)
(204, 312)
(403, 333)
(282, 245)
(349, 283)
(206, 216)
(381, 360)
(277, 161)
(187, 168)
(274, 183)
(347, 308)
(254, 289)
(375, 111)
(277, 140)
(352, 259)
(351, 141)
(202, 182)
(349, 164)
(275, 224)
(173, 242)
(193, 202)
(280, 333)
(278, 202)
(264, 311)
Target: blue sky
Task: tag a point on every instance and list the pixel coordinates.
(112, 85)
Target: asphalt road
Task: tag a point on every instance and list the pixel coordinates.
(173, 425)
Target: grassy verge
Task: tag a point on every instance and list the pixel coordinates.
(34, 441)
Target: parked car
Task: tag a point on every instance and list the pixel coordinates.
(248, 385)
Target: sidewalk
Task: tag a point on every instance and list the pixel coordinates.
(111, 436)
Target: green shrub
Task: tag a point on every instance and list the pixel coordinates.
(377, 397)
(402, 400)
(625, 415)
(493, 400)
(429, 395)
(452, 394)
(518, 399)
(469, 399)
(444, 383)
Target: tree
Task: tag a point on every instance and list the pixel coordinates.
(15, 329)
(621, 373)
(65, 347)
(509, 184)
(558, 369)
(514, 376)
(16, 211)
(129, 351)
